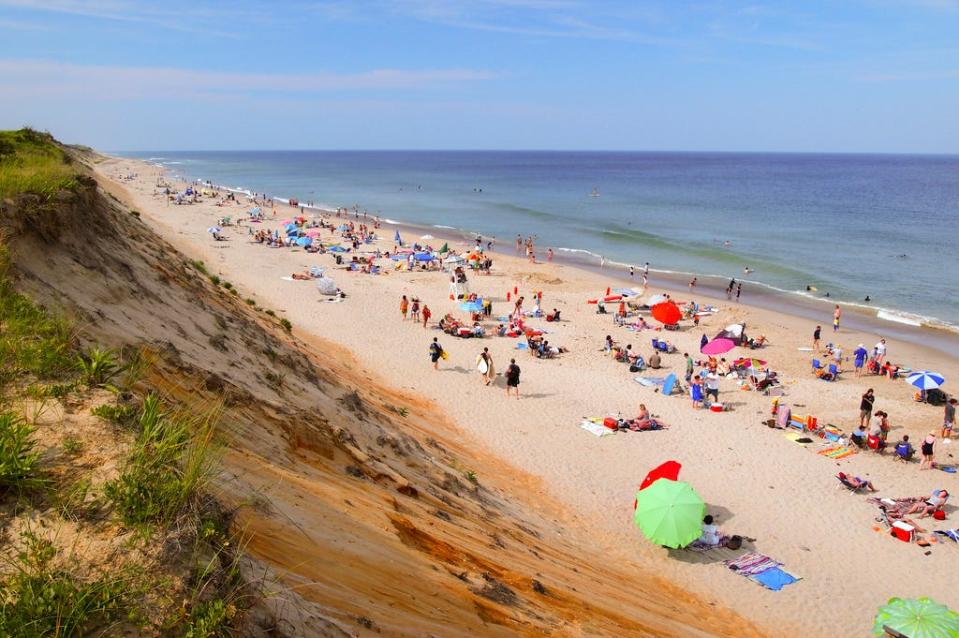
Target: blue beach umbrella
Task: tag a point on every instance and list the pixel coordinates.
(290, 227)
(423, 257)
(304, 241)
(472, 306)
(926, 380)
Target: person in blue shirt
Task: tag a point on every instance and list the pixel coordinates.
(860, 353)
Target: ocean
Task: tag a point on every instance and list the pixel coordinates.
(849, 226)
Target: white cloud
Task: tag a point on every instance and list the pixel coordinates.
(40, 77)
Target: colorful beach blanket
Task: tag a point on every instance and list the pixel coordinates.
(762, 569)
(837, 452)
(596, 427)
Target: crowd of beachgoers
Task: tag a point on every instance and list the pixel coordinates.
(675, 351)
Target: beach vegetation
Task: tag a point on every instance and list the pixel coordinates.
(71, 445)
(270, 312)
(33, 342)
(215, 280)
(98, 366)
(43, 598)
(31, 163)
(471, 477)
(169, 463)
(286, 324)
(19, 457)
(250, 301)
(116, 414)
(227, 285)
(199, 265)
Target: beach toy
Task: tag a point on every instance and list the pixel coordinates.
(916, 618)
(715, 407)
(670, 513)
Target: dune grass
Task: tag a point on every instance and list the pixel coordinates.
(30, 162)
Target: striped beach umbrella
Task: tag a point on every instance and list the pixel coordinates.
(926, 380)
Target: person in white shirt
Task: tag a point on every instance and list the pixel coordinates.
(880, 350)
(711, 535)
(712, 386)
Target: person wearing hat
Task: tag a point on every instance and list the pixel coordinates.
(860, 354)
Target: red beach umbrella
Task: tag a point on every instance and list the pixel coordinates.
(667, 312)
(718, 346)
(668, 470)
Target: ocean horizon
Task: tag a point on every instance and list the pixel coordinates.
(836, 226)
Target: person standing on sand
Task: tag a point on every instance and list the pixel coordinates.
(632, 272)
(415, 310)
(549, 255)
(404, 306)
(880, 351)
(836, 315)
(486, 357)
(436, 351)
(692, 284)
(865, 407)
(689, 367)
(712, 385)
(928, 461)
(816, 334)
(729, 288)
(860, 354)
(519, 243)
(426, 315)
(512, 377)
(949, 419)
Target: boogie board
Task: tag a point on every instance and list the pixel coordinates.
(482, 366)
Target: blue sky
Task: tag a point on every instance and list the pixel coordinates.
(846, 75)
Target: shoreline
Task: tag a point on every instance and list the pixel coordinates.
(931, 332)
(758, 482)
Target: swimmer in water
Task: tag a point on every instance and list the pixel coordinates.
(747, 270)
(868, 299)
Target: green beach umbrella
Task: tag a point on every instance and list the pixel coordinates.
(917, 618)
(670, 513)
(444, 249)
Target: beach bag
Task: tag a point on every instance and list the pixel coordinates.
(734, 542)
(939, 515)
(611, 423)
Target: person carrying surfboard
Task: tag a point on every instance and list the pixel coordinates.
(484, 364)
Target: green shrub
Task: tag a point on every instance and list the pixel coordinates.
(169, 463)
(209, 619)
(18, 456)
(199, 265)
(286, 324)
(98, 367)
(270, 312)
(215, 280)
(40, 599)
(227, 285)
(31, 163)
(71, 445)
(116, 414)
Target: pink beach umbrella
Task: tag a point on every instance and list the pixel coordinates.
(718, 346)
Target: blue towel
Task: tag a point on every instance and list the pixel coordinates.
(521, 345)
(774, 578)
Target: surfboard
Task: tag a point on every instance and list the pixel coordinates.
(482, 366)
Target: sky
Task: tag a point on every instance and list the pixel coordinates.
(805, 76)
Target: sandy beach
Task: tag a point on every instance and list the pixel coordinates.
(755, 480)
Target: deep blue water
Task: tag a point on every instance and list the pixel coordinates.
(852, 225)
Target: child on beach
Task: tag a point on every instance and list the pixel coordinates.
(404, 306)
(835, 318)
(426, 315)
(696, 392)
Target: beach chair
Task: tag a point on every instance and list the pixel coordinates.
(844, 482)
(833, 372)
(816, 365)
(875, 444)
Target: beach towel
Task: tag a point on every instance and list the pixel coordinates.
(668, 383)
(774, 578)
(597, 429)
(521, 345)
(751, 563)
(287, 278)
(796, 437)
(951, 534)
(837, 452)
(650, 382)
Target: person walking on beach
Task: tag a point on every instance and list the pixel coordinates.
(816, 334)
(949, 419)
(415, 310)
(436, 352)
(860, 354)
(519, 243)
(484, 362)
(512, 377)
(865, 407)
(835, 318)
(739, 290)
(404, 306)
(426, 315)
(689, 367)
(549, 255)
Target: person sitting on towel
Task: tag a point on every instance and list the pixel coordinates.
(711, 535)
(644, 421)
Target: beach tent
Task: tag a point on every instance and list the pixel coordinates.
(734, 332)
(326, 286)
(427, 237)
